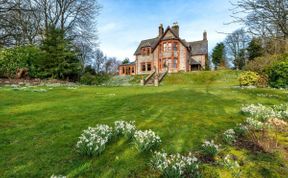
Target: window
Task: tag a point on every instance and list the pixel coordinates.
(175, 46)
(148, 66)
(123, 70)
(132, 69)
(143, 67)
(175, 63)
(165, 47)
(169, 46)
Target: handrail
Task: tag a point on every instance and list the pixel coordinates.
(144, 81)
(149, 76)
(163, 75)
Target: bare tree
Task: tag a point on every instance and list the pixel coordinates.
(236, 44)
(99, 60)
(111, 65)
(263, 17)
(26, 21)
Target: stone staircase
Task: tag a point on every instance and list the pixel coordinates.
(154, 78)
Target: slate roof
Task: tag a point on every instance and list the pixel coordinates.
(195, 48)
(146, 43)
(198, 47)
(130, 63)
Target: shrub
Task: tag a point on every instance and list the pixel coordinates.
(210, 149)
(248, 78)
(174, 166)
(229, 136)
(125, 128)
(87, 79)
(278, 75)
(15, 58)
(146, 140)
(261, 64)
(258, 134)
(98, 79)
(93, 140)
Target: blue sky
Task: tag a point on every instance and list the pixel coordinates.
(122, 24)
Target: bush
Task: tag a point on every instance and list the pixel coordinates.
(248, 78)
(15, 58)
(98, 79)
(87, 79)
(278, 75)
(93, 140)
(210, 149)
(174, 166)
(146, 140)
(261, 64)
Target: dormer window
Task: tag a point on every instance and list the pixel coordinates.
(145, 51)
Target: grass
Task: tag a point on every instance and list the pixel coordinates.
(38, 131)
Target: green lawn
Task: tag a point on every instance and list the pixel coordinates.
(38, 131)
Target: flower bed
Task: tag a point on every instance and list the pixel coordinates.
(93, 140)
(146, 140)
(175, 165)
(125, 128)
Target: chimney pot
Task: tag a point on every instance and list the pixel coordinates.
(175, 28)
(161, 30)
(205, 35)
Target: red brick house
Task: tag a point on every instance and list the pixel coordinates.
(168, 52)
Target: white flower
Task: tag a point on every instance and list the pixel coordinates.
(93, 140)
(173, 164)
(146, 140)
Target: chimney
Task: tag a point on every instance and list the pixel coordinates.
(205, 36)
(175, 28)
(161, 30)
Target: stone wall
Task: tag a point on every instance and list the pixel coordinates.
(183, 58)
(141, 59)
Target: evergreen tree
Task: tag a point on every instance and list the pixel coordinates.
(126, 61)
(60, 60)
(254, 49)
(218, 55)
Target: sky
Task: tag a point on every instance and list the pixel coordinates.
(122, 24)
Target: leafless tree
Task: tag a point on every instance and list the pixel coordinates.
(26, 21)
(236, 44)
(263, 17)
(111, 65)
(99, 59)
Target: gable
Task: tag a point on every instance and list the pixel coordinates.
(169, 35)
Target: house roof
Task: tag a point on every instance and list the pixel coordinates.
(129, 64)
(195, 48)
(198, 47)
(146, 43)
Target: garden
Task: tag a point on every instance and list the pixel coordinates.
(200, 124)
